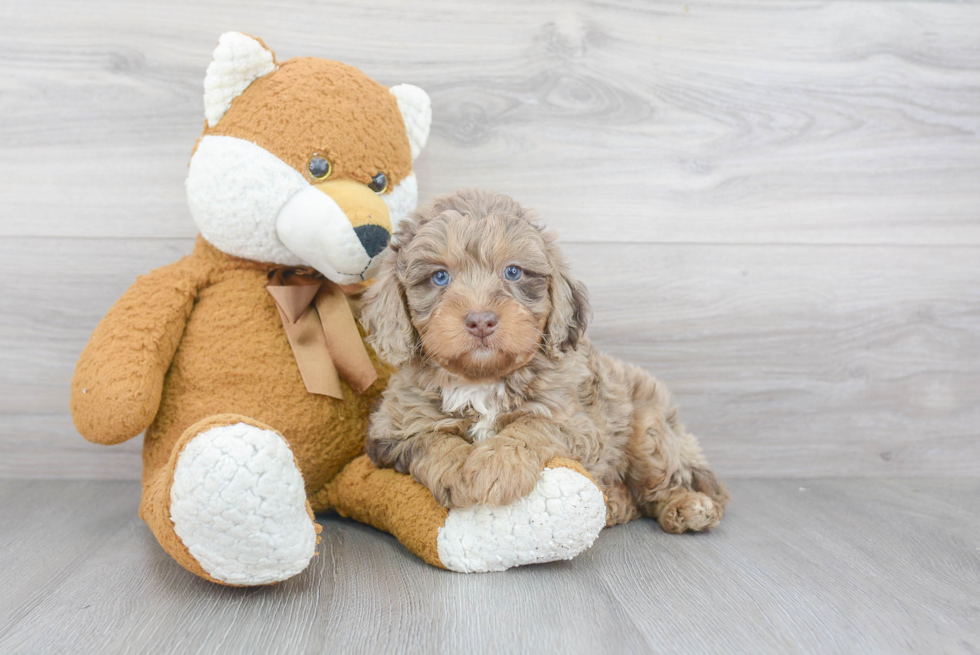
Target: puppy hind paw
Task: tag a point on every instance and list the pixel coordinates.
(705, 481)
(691, 511)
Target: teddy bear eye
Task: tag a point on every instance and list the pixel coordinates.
(440, 278)
(320, 168)
(379, 183)
(513, 273)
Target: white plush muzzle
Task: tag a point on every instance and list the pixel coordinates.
(249, 203)
(317, 231)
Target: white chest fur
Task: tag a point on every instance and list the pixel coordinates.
(487, 400)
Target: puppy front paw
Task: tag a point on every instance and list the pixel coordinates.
(498, 473)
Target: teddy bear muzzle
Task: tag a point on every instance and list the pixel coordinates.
(339, 227)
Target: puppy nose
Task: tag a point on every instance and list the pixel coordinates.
(374, 238)
(481, 324)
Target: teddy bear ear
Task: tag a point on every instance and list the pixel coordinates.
(416, 109)
(237, 61)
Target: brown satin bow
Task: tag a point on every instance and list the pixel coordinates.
(321, 331)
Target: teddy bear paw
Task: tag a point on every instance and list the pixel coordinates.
(559, 519)
(238, 503)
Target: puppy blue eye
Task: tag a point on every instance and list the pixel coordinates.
(513, 273)
(440, 278)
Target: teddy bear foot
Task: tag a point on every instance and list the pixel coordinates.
(238, 504)
(559, 519)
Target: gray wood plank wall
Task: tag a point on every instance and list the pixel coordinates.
(775, 205)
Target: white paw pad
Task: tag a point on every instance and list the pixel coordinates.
(559, 519)
(239, 505)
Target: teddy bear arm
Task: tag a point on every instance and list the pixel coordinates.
(118, 381)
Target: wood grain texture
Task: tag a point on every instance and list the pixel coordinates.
(785, 360)
(832, 566)
(775, 204)
(748, 122)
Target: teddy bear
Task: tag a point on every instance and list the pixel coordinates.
(243, 363)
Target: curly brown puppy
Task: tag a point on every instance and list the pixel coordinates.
(476, 306)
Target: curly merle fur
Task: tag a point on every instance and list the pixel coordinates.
(474, 418)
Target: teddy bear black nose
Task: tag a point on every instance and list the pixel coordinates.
(374, 238)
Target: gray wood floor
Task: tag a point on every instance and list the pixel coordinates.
(818, 566)
(774, 204)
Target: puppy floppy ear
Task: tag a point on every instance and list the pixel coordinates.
(570, 310)
(385, 314)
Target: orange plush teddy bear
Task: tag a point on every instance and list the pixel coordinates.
(244, 364)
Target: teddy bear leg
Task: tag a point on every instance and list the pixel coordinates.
(230, 504)
(559, 519)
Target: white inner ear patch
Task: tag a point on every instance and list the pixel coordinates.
(416, 110)
(402, 200)
(237, 62)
